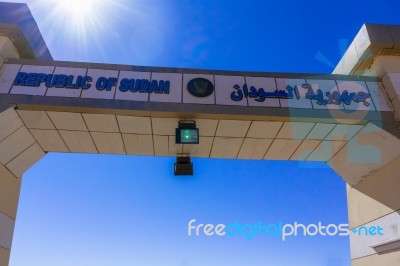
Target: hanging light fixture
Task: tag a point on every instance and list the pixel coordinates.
(187, 132)
(183, 165)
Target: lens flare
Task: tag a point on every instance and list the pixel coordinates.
(102, 30)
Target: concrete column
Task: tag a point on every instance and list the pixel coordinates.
(9, 194)
(9, 183)
(370, 164)
(18, 152)
(375, 201)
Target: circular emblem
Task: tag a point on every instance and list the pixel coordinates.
(200, 87)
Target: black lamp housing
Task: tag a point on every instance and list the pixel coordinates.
(187, 132)
(183, 165)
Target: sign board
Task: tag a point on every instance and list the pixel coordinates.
(240, 90)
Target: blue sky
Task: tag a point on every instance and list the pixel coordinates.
(273, 36)
(121, 210)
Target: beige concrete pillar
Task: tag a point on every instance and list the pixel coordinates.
(9, 183)
(18, 151)
(376, 201)
(9, 194)
(370, 164)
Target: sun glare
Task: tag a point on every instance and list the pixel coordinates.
(80, 18)
(81, 28)
(80, 15)
(78, 8)
(76, 25)
(77, 11)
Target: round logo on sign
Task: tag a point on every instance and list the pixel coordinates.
(200, 87)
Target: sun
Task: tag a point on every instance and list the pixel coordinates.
(81, 29)
(78, 8)
(76, 26)
(79, 15)
(79, 19)
(77, 12)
